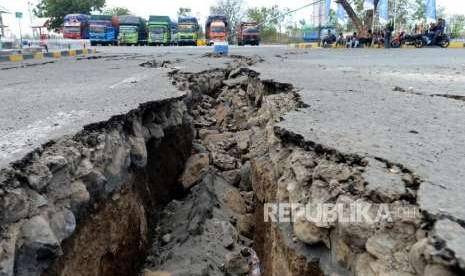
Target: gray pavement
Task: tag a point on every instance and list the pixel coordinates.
(405, 105)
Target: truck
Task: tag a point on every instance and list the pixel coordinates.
(187, 31)
(103, 29)
(216, 29)
(76, 26)
(159, 28)
(132, 30)
(248, 33)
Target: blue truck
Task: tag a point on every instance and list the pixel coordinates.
(103, 29)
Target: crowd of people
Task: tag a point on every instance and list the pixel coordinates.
(377, 39)
(354, 40)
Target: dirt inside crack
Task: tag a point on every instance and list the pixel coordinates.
(181, 186)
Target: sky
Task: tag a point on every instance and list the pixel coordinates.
(200, 8)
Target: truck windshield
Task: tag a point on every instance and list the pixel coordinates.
(157, 30)
(251, 30)
(97, 29)
(218, 29)
(187, 29)
(128, 30)
(72, 30)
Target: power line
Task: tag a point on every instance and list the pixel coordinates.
(293, 11)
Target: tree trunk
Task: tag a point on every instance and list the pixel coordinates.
(370, 16)
(361, 26)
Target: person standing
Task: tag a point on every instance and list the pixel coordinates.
(388, 34)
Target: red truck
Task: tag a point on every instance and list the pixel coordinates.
(248, 33)
(76, 26)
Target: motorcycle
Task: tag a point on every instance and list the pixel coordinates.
(442, 41)
(406, 39)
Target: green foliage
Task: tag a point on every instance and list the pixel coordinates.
(57, 9)
(184, 11)
(418, 8)
(457, 26)
(118, 11)
(270, 20)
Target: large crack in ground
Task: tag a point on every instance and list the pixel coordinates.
(180, 187)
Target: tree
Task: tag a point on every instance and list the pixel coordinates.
(419, 10)
(270, 20)
(457, 25)
(118, 11)
(57, 9)
(362, 21)
(232, 9)
(184, 11)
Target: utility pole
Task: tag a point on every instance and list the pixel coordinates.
(395, 15)
(19, 16)
(320, 15)
(34, 31)
(2, 33)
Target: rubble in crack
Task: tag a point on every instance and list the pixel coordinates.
(212, 230)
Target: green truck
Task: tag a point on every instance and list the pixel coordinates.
(159, 28)
(187, 31)
(132, 30)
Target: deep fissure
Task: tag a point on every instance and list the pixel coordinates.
(181, 186)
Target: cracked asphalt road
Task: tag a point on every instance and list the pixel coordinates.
(405, 105)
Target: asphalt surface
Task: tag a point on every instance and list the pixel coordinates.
(405, 105)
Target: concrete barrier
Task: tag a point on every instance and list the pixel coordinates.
(54, 54)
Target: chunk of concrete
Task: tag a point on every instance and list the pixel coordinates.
(39, 248)
(452, 236)
(235, 264)
(308, 232)
(438, 270)
(383, 185)
(381, 245)
(196, 167)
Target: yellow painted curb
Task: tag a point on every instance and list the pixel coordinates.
(56, 54)
(201, 42)
(304, 45)
(72, 53)
(38, 55)
(457, 45)
(16, 57)
(85, 51)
